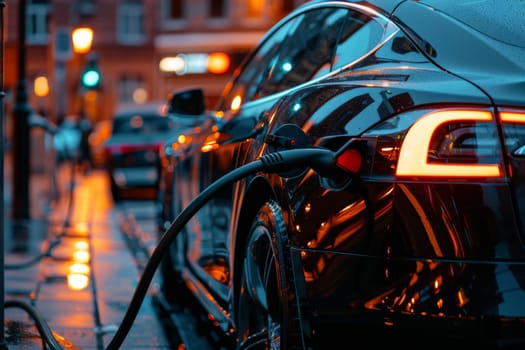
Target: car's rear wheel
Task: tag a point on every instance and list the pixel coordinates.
(264, 310)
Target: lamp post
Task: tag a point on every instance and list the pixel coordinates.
(3, 343)
(21, 140)
(82, 39)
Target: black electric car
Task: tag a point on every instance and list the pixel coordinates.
(411, 229)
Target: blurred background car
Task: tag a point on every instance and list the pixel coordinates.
(131, 151)
(411, 231)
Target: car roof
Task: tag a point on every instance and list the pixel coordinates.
(150, 108)
(386, 6)
(494, 18)
(477, 14)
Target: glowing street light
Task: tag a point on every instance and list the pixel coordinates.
(41, 86)
(82, 38)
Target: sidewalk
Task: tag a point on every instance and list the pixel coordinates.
(81, 224)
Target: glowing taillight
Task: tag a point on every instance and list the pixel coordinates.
(512, 117)
(513, 125)
(451, 144)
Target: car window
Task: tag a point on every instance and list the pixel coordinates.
(140, 124)
(307, 51)
(297, 52)
(360, 34)
(257, 69)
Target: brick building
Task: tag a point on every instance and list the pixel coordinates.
(131, 40)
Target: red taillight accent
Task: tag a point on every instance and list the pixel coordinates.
(349, 160)
(414, 152)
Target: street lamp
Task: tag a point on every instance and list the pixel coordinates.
(82, 38)
(90, 77)
(21, 135)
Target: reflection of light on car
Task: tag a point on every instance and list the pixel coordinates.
(209, 146)
(163, 110)
(438, 282)
(307, 208)
(236, 103)
(287, 66)
(211, 142)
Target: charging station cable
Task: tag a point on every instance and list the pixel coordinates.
(322, 161)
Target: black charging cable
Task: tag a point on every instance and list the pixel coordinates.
(320, 160)
(43, 328)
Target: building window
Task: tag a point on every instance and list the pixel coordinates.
(173, 14)
(85, 7)
(37, 21)
(216, 9)
(130, 22)
(132, 90)
(176, 9)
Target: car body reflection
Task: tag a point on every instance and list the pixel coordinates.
(419, 238)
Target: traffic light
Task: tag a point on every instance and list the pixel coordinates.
(91, 77)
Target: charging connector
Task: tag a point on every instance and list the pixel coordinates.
(320, 160)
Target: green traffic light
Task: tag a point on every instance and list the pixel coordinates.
(90, 78)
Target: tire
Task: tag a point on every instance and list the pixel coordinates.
(265, 307)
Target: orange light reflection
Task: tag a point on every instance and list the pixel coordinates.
(77, 281)
(81, 256)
